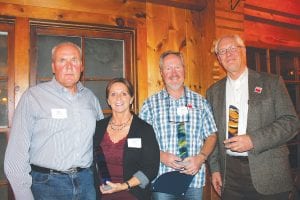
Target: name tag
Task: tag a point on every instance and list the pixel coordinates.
(182, 110)
(134, 142)
(59, 113)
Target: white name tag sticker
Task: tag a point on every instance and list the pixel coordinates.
(134, 142)
(182, 110)
(57, 113)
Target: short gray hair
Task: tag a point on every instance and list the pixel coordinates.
(170, 52)
(53, 51)
(237, 38)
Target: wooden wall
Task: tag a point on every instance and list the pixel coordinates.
(159, 28)
(273, 24)
(229, 20)
(180, 30)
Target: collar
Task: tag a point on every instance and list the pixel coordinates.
(187, 94)
(237, 83)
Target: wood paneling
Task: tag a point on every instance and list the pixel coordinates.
(274, 37)
(166, 30)
(160, 26)
(59, 14)
(105, 7)
(22, 38)
(227, 21)
(185, 4)
(288, 6)
(273, 24)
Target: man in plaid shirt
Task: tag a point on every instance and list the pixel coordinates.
(164, 110)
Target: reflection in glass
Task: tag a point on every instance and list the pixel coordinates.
(3, 104)
(45, 44)
(3, 53)
(98, 87)
(104, 57)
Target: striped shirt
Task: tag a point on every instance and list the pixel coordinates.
(51, 128)
(160, 110)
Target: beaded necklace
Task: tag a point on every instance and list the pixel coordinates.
(119, 127)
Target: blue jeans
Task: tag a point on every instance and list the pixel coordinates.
(191, 194)
(58, 186)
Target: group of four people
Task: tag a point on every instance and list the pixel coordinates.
(55, 152)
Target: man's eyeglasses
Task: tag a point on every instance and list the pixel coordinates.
(232, 49)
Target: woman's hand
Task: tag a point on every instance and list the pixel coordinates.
(112, 187)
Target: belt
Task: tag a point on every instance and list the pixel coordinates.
(48, 171)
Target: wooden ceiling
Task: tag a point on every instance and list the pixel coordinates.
(186, 4)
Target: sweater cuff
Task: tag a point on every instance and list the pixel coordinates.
(142, 178)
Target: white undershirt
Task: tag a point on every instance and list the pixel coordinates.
(237, 95)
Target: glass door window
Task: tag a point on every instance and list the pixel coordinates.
(106, 54)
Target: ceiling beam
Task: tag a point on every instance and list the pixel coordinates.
(185, 4)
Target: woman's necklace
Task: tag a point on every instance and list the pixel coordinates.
(119, 127)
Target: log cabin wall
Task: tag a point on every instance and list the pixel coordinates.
(273, 24)
(158, 28)
(229, 20)
(190, 32)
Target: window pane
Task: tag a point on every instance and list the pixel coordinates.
(292, 91)
(263, 60)
(98, 87)
(251, 58)
(2, 151)
(3, 104)
(257, 59)
(273, 62)
(294, 148)
(103, 58)
(3, 53)
(3, 189)
(3, 193)
(44, 47)
(287, 68)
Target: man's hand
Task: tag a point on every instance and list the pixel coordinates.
(217, 182)
(240, 143)
(170, 160)
(193, 164)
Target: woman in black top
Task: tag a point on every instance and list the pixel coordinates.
(125, 148)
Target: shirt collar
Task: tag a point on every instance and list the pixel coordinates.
(239, 80)
(186, 95)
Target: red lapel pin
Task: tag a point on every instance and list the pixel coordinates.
(258, 90)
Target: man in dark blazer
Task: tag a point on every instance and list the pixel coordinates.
(255, 118)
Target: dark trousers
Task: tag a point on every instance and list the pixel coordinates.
(238, 183)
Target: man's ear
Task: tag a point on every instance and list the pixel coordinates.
(82, 68)
(53, 68)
